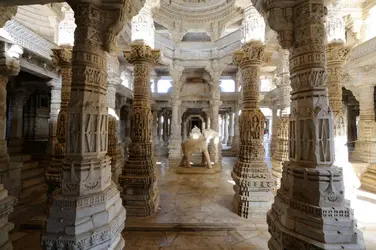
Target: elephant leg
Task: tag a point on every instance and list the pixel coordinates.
(188, 161)
(202, 157)
(207, 157)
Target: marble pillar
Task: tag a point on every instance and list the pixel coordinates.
(365, 145)
(155, 127)
(336, 58)
(236, 139)
(62, 58)
(87, 212)
(230, 129)
(253, 181)
(273, 139)
(113, 149)
(54, 112)
(174, 153)
(138, 181)
(16, 140)
(352, 132)
(225, 128)
(9, 172)
(160, 128)
(309, 210)
(282, 81)
(216, 150)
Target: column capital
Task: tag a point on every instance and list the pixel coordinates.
(141, 53)
(216, 103)
(337, 53)
(10, 55)
(62, 57)
(335, 27)
(252, 53)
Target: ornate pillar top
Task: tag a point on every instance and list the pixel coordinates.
(62, 57)
(251, 54)
(142, 53)
(10, 55)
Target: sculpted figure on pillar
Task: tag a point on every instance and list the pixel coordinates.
(138, 180)
(76, 219)
(312, 188)
(9, 172)
(253, 181)
(62, 58)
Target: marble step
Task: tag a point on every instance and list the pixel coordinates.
(31, 169)
(190, 227)
(32, 181)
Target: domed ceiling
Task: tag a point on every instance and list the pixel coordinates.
(199, 13)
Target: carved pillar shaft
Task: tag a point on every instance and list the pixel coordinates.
(140, 192)
(175, 141)
(225, 128)
(86, 170)
(311, 187)
(62, 58)
(230, 129)
(253, 182)
(236, 139)
(273, 139)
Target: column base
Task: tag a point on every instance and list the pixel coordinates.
(277, 172)
(93, 221)
(368, 181)
(253, 188)
(310, 211)
(141, 203)
(6, 207)
(229, 140)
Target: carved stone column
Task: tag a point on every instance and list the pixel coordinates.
(365, 146)
(309, 210)
(253, 181)
(282, 82)
(87, 212)
(174, 153)
(160, 128)
(230, 128)
(54, 112)
(236, 139)
(273, 139)
(225, 128)
(336, 58)
(62, 58)
(114, 151)
(9, 172)
(138, 181)
(217, 153)
(155, 127)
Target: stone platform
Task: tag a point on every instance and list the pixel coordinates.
(198, 169)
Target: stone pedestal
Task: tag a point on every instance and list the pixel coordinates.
(138, 181)
(310, 210)
(87, 212)
(253, 181)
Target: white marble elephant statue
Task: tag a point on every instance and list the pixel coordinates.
(199, 145)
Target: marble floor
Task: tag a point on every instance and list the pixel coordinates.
(195, 213)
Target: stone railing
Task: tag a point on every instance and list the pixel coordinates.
(363, 53)
(28, 39)
(197, 51)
